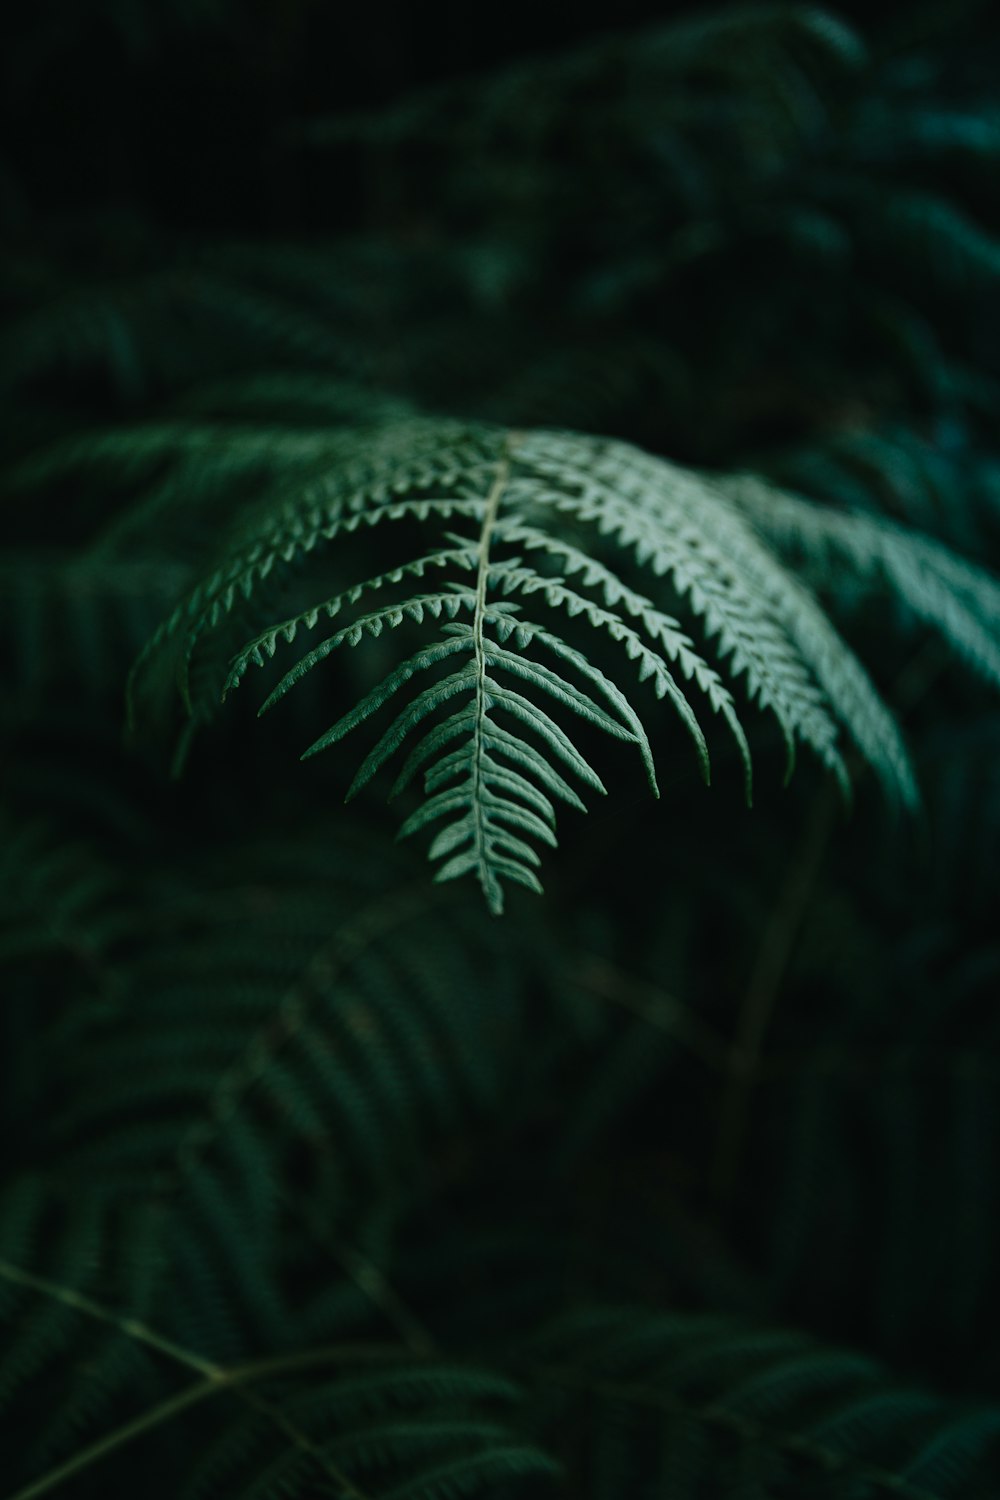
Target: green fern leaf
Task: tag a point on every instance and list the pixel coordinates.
(565, 501)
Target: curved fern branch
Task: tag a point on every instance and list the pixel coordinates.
(710, 1405)
(565, 527)
(468, 1448)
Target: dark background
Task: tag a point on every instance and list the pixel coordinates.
(176, 110)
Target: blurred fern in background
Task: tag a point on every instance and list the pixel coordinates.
(572, 417)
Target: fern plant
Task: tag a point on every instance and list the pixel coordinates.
(570, 411)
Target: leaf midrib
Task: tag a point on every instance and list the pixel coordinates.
(490, 516)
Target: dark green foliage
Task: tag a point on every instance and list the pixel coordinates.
(601, 411)
(678, 1403)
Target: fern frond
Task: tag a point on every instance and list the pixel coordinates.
(57, 899)
(708, 1404)
(287, 1443)
(226, 1118)
(76, 1243)
(565, 524)
(947, 244)
(849, 555)
(80, 619)
(293, 396)
(180, 314)
(766, 52)
(897, 473)
(306, 1027)
(398, 1430)
(893, 130)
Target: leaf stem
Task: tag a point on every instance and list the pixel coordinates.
(215, 1379)
(490, 884)
(131, 1327)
